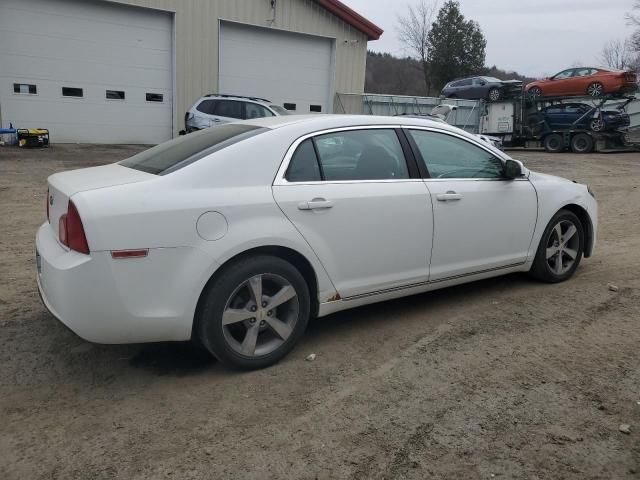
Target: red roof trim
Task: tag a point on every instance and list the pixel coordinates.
(353, 18)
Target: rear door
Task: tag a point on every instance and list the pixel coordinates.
(360, 206)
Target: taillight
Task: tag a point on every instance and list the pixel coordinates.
(71, 231)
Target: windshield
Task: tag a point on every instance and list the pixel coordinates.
(279, 110)
(182, 151)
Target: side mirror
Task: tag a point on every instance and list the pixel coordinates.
(512, 169)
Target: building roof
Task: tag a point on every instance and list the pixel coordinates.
(353, 18)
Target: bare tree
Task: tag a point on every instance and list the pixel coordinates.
(634, 19)
(616, 54)
(413, 32)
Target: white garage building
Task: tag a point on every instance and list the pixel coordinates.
(101, 71)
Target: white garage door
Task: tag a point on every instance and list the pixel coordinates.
(89, 71)
(290, 69)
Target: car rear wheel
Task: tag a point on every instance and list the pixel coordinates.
(554, 143)
(596, 89)
(582, 143)
(495, 94)
(535, 92)
(560, 250)
(254, 312)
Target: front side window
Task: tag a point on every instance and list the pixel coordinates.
(374, 154)
(256, 111)
(446, 156)
(563, 75)
(229, 109)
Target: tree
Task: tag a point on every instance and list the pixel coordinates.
(616, 54)
(456, 46)
(413, 31)
(634, 19)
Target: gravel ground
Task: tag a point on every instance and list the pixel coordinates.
(505, 378)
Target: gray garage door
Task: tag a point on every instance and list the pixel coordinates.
(90, 71)
(290, 69)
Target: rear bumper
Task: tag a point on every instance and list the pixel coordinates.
(110, 301)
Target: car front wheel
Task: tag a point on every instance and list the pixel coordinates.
(494, 94)
(560, 250)
(254, 312)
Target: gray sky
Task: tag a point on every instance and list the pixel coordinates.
(533, 37)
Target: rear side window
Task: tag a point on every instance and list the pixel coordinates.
(304, 164)
(229, 109)
(207, 106)
(373, 154)
(185, 150)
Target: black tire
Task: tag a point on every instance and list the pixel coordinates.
(209, 325)
(596, 89)
(535, 92)
(554, 143)
(541, 268)
(582, 143)
(494, 94)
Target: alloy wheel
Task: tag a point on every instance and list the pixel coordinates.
(535, 92)
(596, 125)
(260, 315)
(562, 247)
(595, 90)
(494, 94)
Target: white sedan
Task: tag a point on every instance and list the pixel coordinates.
(236, 236)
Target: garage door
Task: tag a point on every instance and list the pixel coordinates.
(89, 71)
(290, 69)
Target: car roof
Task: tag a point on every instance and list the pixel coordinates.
(235, 97)
(318, 122)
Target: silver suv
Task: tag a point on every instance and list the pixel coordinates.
(217, 109)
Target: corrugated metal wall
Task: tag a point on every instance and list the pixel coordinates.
(196, 48)
(466, 116)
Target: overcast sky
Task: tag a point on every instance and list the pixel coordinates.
(533, 37)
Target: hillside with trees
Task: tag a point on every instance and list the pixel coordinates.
(442, 47)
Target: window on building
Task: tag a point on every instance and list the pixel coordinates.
(25, 89)
(290, 106)
(72, 92)
(155, 97)
(315, 108)
(115, 95)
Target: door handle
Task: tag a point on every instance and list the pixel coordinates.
(450, 196)
(315, 204)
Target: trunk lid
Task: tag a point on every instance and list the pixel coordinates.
(62, 186)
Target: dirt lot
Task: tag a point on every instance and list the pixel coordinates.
(506, 378)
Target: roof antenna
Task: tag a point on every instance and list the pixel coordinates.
(271, 21)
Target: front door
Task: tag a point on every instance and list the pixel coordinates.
(482, 221)
(352, 197)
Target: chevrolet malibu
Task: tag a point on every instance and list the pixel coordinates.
(236, 236)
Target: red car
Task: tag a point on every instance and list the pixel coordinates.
(593, 82)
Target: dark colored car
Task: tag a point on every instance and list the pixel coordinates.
(577, 116)
(476, 88)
